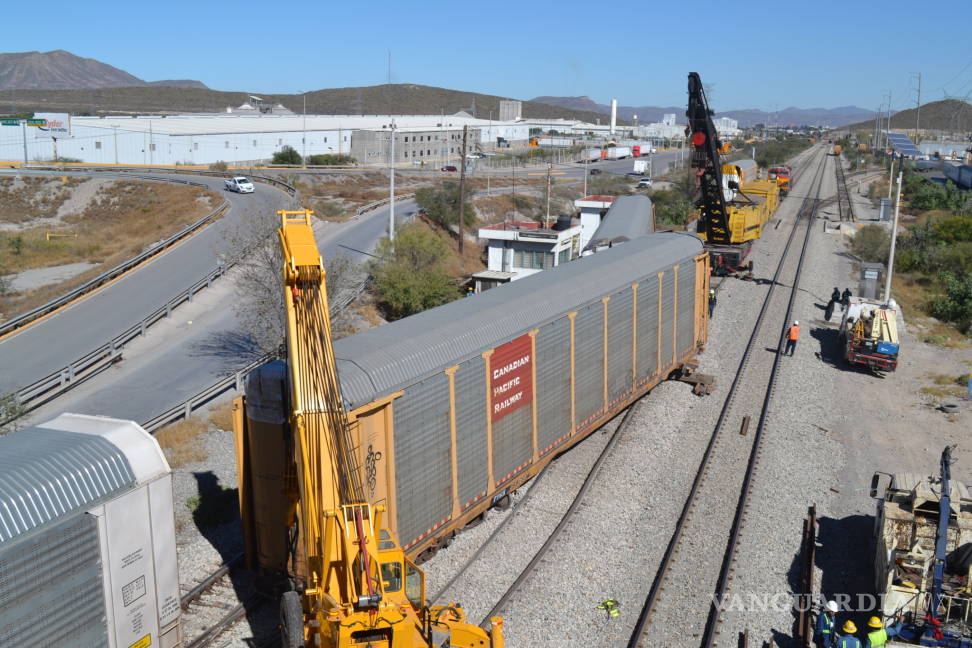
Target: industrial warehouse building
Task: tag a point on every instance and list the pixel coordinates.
(205, 139)
(415, 145)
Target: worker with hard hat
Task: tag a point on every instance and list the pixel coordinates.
(712, 302)
(848, 640)
(825, 631)
(878, 635)
(792, 335)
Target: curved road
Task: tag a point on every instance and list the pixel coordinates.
(202, 342)
(65, 336)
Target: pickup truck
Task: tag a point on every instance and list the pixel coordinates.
(239, 184)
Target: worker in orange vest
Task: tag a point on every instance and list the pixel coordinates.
(792, 335)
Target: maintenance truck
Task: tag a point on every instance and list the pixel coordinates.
(350, 582)
(869, 334)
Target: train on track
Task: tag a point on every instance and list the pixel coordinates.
(734, 202)
(454, 408)
(87, 537)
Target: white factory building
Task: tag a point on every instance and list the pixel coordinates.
(205, 139)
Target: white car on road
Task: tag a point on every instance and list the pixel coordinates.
(239, 184)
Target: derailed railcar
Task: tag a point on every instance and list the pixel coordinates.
(457, 406)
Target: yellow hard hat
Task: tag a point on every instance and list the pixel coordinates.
(875, 622)
(849, 627)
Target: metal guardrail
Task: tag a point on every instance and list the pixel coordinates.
(113, 273)
(94, 362)
(364, 209)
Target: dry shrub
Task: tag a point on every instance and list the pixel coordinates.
(181, 443)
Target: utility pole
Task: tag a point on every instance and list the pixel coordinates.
(918, 109)
(391, 186)
(887, 139)
(115, 132)
(890, 177)
(513, 169)
(151, 143)
(23, 128)
(894, 239)
(462, 194)
(587, 172)
(546, 221)
(303, 139)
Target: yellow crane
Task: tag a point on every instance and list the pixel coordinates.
(354, 586)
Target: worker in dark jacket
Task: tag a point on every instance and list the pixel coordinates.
(835, 296)
(825, 630)
(845, 298)
(712, 302)
(848, 640)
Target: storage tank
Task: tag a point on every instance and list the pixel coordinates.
(87, 537)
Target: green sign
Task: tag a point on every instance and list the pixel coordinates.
(37, 122)
(9, 122)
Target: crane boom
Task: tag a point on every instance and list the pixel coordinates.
(354, 584)
(714, 221)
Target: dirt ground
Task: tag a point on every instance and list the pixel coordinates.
(57, 233)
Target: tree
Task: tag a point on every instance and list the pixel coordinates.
(872, 243)
(956, 304)
(410, 276)
(442, 204)
(259, 305)
(287, 155)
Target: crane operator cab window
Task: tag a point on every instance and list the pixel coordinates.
(414, 585)
(391, 576)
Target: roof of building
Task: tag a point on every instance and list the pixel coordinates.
(595, 198)
(228, 123)
(69, 464)
(383, 360)
(498, 275)
(513, 225)
(628, 218)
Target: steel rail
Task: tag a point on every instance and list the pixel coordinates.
(648, 608)
(715, 610)
(568, 514)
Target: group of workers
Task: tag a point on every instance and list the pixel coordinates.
(837, 297)
(825, 632)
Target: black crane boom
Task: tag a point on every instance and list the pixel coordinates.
(714, 221)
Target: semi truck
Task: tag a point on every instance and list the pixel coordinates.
(641, 166)
(618, 152)
(869, 334)
(590, 155)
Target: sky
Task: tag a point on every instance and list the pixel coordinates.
(753, 54)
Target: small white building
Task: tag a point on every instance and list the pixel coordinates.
(517, 249)
(592, 210)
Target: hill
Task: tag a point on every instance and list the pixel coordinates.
(60, 70)
(395, 99)
(746, 117)
(948, 115)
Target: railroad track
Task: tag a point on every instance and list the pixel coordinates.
(216, 592)
(844, 206)
(706, 521)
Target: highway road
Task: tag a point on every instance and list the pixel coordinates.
(202, 342)
(49, 345)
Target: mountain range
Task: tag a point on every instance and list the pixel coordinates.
(748, 117)
(61, 70)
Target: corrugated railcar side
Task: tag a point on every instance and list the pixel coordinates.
(441, 449)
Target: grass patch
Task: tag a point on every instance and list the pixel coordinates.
(221, 417)
(181, 443)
